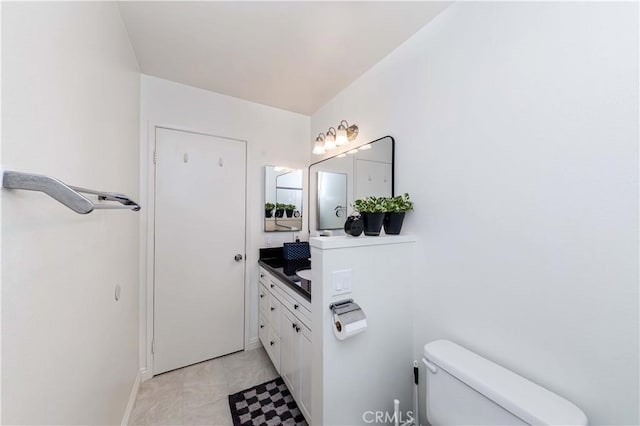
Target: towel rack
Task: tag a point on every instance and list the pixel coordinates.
(68, 195)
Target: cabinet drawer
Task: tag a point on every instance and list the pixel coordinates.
(294, 306)
(264, 297)
(264, 276)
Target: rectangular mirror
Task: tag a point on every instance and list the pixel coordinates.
(331, 200)
(283, 199)
(334, 183)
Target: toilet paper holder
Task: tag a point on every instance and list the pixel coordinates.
(344, 306)
(340, 309)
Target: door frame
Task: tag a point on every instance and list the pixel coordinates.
(147, 249)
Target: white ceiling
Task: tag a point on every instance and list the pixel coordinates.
(290, 55)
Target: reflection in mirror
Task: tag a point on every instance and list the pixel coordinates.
(365, 172)
(283, 199)
(332, 200)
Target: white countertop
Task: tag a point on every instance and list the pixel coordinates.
(344, 241)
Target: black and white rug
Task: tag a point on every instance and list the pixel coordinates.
(270, 403)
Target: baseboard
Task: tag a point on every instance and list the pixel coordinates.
(145, 375)
(253, 344)
(132, 399)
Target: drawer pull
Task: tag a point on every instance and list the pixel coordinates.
(294, 325)
(261, 275)
(273, 309)
(297, 329)
(261, 325)
(296, 306)
(262, 295)
(272, 285)
(272, 343)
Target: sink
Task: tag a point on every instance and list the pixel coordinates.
(305, 274)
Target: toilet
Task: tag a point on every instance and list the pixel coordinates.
(464, 388)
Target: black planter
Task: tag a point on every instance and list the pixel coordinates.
(393, 222)
(268, 213)
(289, 212)
(279, 212)
(372, 223)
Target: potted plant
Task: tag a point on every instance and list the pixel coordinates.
(268, 209)
(280, 209)
(289, 208)
(396, 208)
(372, 211)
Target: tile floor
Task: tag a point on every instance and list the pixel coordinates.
(198, 394)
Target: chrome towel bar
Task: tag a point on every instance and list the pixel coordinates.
(68, 195)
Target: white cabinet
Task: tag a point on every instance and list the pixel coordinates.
(285, 332)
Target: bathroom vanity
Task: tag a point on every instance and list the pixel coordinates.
(285, 322)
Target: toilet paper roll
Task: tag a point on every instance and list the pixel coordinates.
(349, 324)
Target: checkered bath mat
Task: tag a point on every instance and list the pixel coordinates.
(270, 403)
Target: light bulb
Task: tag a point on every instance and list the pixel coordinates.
(341, 155)
(341, 136)
(353, 151)
(318, 148)
(365, 147)
(329, 142)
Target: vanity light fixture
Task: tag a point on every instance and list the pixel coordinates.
(318, 146)
(341, 155)
(353, 151)
(364, 147)
(334, 138)
(330, 139)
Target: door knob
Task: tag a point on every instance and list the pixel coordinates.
(238, 257)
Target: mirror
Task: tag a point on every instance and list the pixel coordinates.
(334, 183)
(283, 199)
(332, 200)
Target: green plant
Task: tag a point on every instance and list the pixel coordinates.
(281, 206)
(269, 206)
(290, 207)
(401, 203)
(370, 205)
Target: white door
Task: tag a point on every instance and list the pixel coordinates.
(199, 229)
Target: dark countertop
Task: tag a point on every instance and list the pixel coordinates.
(285, 270)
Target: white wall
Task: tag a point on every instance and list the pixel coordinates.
(367, 371)
(70, 109)
(274, 137)
(516, 129)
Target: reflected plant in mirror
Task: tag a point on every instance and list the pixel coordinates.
(283, 199)
(335, 183)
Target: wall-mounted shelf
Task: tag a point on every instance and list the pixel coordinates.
(70, 196)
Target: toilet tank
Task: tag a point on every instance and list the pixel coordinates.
(464, 388)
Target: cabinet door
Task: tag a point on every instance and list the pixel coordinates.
(263, 330)
(304, 398)
(273, 349)
(263, 296)
(287, 342)
(274, 313)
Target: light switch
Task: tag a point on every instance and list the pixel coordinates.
(341, 281)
